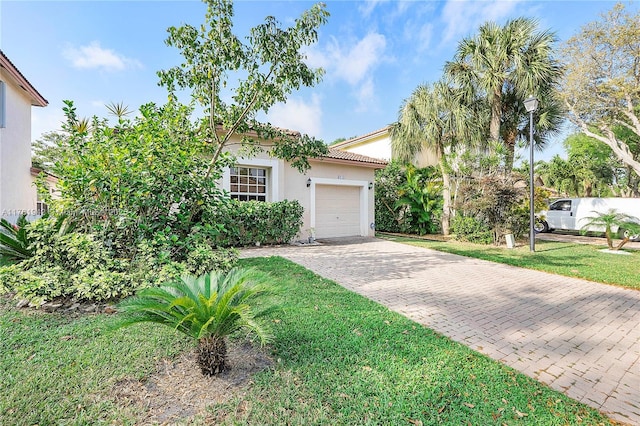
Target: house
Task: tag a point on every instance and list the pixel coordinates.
(336, 192)
(17, 96)
(377, 144)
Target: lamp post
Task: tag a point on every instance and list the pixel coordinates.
(531, 105)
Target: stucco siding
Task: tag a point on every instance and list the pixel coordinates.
(288, 183)
(378, 148)
(16, 190)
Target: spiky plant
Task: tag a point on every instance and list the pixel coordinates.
(14, 241)
(610, 219)
(208, 308)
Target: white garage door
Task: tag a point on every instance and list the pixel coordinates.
(337, 211)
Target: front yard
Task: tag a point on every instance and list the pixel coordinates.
(569, 259)
(337, 358)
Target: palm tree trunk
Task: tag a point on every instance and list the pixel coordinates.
(446, 198)
(212, 355)
(496, 114)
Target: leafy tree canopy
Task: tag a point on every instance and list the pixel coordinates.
(267, 68)
(602, 85)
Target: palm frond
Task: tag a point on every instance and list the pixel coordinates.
(214, 304)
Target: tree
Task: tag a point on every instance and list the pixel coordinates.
(505, 65)
(593, 164)
(46, 151)
(207, 308)
(627, 226)
(267, 69)
(433, 117)
(133, 180)
(602, 85)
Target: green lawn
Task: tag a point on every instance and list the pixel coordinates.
(340, 359)
(572, 260)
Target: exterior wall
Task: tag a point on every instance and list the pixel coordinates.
(377, 148)
(286, 183)
(327, 173)
(16, 191)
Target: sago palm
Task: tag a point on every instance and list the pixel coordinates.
(207, 308)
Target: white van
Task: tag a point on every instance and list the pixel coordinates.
(573, 213)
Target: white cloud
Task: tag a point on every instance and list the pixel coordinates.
(296, 114)
(365, 95)
(463, 17)
(354, 63)
(94, 56)
(45, 120)
(367, 7)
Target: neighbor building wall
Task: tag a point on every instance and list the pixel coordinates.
(376, 148)
(17, 194)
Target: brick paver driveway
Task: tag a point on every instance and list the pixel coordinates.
(578, 337)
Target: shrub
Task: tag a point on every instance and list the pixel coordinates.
(408, 199)
(205, 258)
(243, 223)
(67, 264)
(467, 228)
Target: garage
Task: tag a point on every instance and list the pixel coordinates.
(338, 211)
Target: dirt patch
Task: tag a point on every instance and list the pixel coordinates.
(178, 391)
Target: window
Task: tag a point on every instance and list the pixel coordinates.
(563, 205)
(248, 183)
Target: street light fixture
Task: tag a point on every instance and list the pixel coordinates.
(531, 105)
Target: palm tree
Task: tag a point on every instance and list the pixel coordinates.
(627, 226)
(207, 308)
(434, 117)
(505, 65)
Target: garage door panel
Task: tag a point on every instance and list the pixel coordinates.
(337, 211)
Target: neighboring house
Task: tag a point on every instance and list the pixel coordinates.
(336, 192)
(17, 96)
(51, 183)
(377, 144)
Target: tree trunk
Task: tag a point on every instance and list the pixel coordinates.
(446, 198)
(620, 149)
(510, 146)
(496, 114)
(212, 355)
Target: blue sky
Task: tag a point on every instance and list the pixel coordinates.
(374, 53)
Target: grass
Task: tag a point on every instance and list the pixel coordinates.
(340, 359)
(56, 369)
(572, 260)
(344, 360)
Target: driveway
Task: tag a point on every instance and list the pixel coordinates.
(579, 337)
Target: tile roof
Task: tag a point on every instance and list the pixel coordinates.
(337, 154)
(357, 139)
(36, 98)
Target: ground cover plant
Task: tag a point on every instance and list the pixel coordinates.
(569, 259)
(338, 358)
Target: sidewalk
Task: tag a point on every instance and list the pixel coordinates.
(579, 337)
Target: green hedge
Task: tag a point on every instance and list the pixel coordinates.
(246, 223)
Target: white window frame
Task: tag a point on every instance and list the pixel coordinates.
(273, 175)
